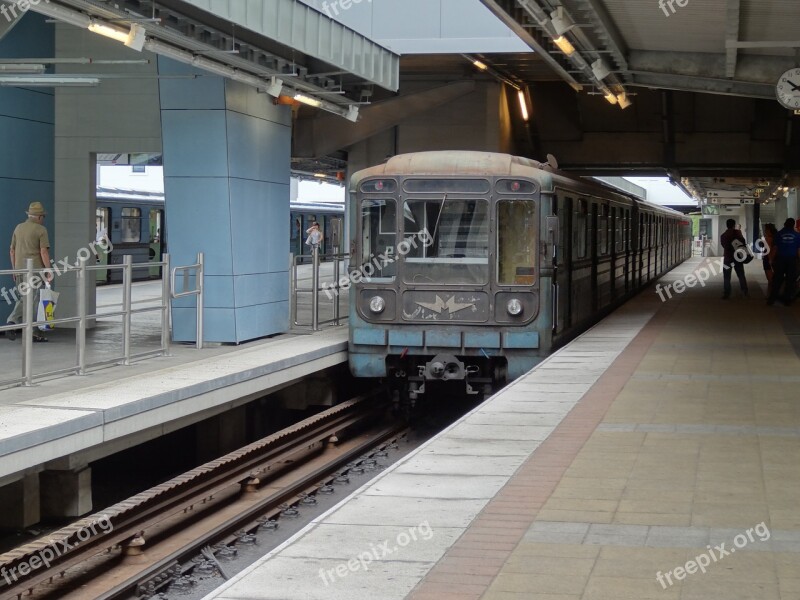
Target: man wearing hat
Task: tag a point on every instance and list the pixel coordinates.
(30, 240)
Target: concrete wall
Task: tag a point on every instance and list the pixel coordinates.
(120, 115)
(26, 142)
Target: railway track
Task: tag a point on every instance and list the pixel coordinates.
(136, 547)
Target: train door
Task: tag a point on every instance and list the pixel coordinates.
(563, 301)
(157, 242)
(296, 238)
(594, 254)
(334, 235)
(102, 221)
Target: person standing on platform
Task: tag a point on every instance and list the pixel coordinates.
(785, 263)
(314, 235)
(768, 257)
(727, 240)
(30, 240)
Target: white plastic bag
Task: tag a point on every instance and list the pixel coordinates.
(47, 306)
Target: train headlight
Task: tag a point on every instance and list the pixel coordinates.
(514, 307)
(377, 304)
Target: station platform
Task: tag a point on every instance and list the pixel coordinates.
(116, 407)
(656, 456)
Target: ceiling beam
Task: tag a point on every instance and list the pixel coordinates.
(731, 35)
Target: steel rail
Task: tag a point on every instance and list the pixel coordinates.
(247, 519)
(155, 505)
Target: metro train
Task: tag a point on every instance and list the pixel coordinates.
(469, 268)
(134, 222)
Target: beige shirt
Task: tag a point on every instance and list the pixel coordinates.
(27, 241)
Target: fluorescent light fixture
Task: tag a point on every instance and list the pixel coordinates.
(22, 68)
(564, 45)
(352, 113)
(561, 21)
(136, 37)
(623, 100)
(320, 175)
(600, 69)
(612, 99)
(275, 87)
(523, 104)
(47, 81)
(308, 100)
(479, 64)
(109, 32)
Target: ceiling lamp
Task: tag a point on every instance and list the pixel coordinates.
(308, 100)
(623, 100)
(47, 81)
(564, 45)
(612, 99)
(523, 104)
(22, 68)
(109, 32)
(136, 37)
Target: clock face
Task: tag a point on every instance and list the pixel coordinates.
(788, 89)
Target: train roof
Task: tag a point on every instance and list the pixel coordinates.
(456, 162)
(469, 162)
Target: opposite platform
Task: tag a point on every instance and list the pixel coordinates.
(624, 455)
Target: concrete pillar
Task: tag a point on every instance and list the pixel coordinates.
(119, 116)
(19, 503)
(26, 143)
(66, 494)
(226, 177)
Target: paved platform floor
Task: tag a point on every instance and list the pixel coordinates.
(657, 456)
(119, 405)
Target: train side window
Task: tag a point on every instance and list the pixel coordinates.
(131, 225)
(378, 239)
(581, 229)
(619, 230)
(516, 242)
(603, 230)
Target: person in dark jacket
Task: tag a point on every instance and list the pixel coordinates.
(730, 241)
(784, 265)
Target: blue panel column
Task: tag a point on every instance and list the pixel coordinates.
(226, 177)
(26, 144)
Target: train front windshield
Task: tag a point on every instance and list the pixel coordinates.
(452, 241)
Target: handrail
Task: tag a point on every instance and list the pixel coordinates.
(314, 290)
(32, 282)
(198, 291)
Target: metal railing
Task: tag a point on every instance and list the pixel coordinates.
(199, 269)
(83, 318)
(334, 289)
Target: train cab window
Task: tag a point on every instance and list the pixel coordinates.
(603, 230)
(580, 233)
(131, 225)
(378, 239)
(452, 241)
(516, 242)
